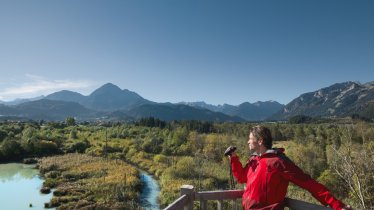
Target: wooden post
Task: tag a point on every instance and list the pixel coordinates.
(234, 205)
(189, 191)
(203, 204)
(219, 204)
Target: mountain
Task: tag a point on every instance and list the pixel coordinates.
(59, 110)
(202, 105)
(21, 100)
(338, 100)
(48, 110)
(251, 112)
(110, 97)
(67, 95)
(7, 110)
(169, 112)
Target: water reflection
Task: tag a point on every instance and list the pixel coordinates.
(19, 188)
(15, 171)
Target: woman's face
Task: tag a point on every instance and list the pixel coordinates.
(253, 143)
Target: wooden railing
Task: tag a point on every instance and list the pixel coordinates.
(188, 196)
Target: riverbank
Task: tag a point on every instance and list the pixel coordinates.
(150, 193)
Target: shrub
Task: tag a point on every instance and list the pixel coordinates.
(77, 146)
(11, 150)
(160, 158)
(44, 147)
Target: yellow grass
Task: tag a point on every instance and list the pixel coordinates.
(105, 183)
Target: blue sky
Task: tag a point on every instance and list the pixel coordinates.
(217, 51)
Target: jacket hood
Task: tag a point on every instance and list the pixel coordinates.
(272, 151)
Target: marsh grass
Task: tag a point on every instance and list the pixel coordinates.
(82, 181)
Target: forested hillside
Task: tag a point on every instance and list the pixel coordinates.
(339, 153)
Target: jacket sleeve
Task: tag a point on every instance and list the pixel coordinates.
(294, 174)
(238, 171)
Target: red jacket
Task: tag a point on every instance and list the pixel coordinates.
(267, 177)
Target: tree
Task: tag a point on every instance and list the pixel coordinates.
(308, 156)
(78, 146)
(185, 168)
(70, 121)
(214, 147)
(334, 183)
(44, 147)
(3, 134)
(275, 133)
(298, 119)
(11, 149)
(28, 133)
(152, 145)
(73, 134)
(354, 163)
(300, 134)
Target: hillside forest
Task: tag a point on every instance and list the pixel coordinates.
(94, 164)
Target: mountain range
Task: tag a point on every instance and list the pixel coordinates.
(338, 100)
(257, 111)
(109, 102)
(108, 97)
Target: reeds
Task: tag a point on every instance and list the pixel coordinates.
(93, 181)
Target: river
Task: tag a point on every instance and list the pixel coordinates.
(150, 192)
(19, 187)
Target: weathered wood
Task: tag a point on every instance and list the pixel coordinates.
(189, 196)
(219, 195)
(189, 191)
(178, 204)
(301, 205)
(203, 204)
(219, 204)
(234, 204)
